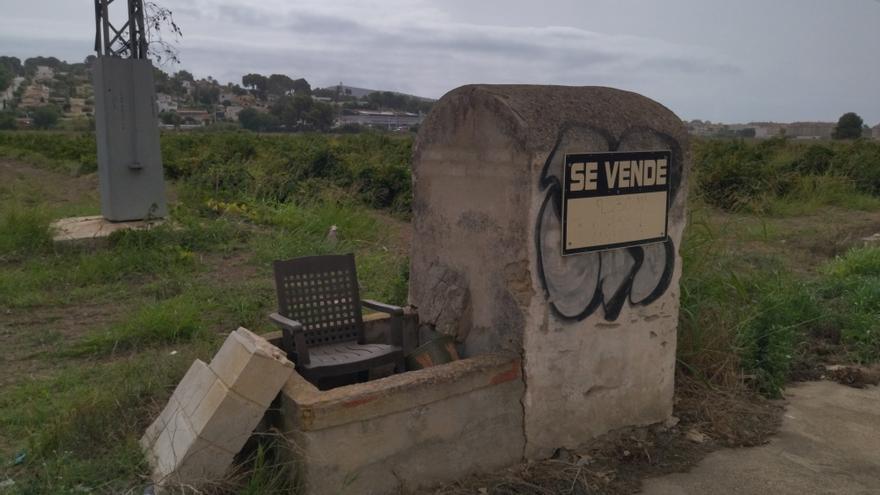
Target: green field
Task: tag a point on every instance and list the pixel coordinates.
(776, 280)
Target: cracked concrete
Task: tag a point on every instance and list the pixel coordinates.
(829, 443)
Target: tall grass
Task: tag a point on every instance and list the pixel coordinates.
(776, 176)
(24, 232)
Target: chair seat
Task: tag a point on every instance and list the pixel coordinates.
(346, 355)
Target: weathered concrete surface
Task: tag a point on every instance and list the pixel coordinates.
(94, 228)
(829, 444)
(596, 331)
(214, 410)
(408, 430)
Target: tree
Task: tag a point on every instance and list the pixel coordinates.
(302, 87)
(12, 64)
(5, 78)
(7, 121)
(170, 118)
(302, 112)
(256, 121)
(206, 94)
(183, 75)
(321, 116)
(258, 84)
(45, 117)
(279, 84)
(848, 127)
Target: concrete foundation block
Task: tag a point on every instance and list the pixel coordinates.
(252, 367)
(94, 230)
(406, 431)
(490, 265)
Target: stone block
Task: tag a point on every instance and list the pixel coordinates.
(205, 423)
(181, 457)
(252, 367)
(596, 328)
(188, 393)
(224, 418)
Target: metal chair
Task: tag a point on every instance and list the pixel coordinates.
(319, 312)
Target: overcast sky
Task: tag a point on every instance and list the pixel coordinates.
(723, 60)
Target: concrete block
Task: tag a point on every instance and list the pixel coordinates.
(181, 457)
(252, 367)
(409, 430)
(94, 229)
(596, 329)
(194, 387)
(224, 418)
(187, 395)
(206, 422)
(158, 426)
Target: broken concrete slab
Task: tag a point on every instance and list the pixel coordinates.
(94, 229)
(251, 367)
(206, 423)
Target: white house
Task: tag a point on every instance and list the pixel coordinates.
(44, 73)
(166, 102)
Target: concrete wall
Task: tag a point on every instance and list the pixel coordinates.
(596, 331)
(406, 431)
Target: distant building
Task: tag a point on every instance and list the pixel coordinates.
(766, 130)
(35, 95)
(809, 130)
(77, 107)
(228, 96)
(199, 117)
(166, 102)
(8, 94)
(232, 111)
(44, 73)
(385, 120)
(875, 132)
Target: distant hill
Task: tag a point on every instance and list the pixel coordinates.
(361, 92)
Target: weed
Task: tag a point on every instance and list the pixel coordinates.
(173, 321)
(80, 427)
(24, 232)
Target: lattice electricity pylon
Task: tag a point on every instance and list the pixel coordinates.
(128, 41)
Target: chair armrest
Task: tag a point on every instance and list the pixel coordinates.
(293, 337)
(382, 307)
(286, 323)
(396, 312)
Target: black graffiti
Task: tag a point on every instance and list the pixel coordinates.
(615, 272)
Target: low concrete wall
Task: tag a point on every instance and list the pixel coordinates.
(408, 430)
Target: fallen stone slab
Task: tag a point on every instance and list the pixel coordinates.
(214, 410)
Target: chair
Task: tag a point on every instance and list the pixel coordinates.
(319, 312)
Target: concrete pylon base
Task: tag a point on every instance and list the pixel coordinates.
(94, 229)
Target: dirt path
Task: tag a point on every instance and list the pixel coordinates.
(829, 443)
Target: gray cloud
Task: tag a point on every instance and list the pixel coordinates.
(795, 60)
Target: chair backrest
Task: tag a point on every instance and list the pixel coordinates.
(321, 292)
